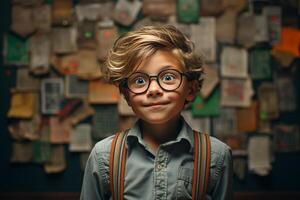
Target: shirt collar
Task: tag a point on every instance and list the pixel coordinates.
(186, 134)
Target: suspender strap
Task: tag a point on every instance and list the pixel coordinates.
(117, 162)
(202, 154)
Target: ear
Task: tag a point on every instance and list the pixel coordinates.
(192, 91)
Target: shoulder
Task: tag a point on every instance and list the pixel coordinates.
(103, 146)
(220, 152)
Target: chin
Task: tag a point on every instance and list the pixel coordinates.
(158, 119)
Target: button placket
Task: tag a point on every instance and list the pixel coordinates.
(160, 175)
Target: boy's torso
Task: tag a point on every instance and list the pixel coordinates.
(166, 175)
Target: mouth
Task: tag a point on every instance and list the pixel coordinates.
(156, 104)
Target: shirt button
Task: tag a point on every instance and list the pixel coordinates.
(158, 167)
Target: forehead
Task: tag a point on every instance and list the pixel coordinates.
(160, 60)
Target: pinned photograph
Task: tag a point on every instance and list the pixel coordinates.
(268, 101)
(126, 11)
(236, 92)
(159, 9)
(188, 11)
(16, 50)
(234, 62)
(260, 63)
(64, 40)
(204, 37)
(52, 91)
(40, 51)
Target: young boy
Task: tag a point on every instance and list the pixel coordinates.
(158, 72)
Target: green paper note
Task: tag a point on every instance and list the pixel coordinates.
(207, 107)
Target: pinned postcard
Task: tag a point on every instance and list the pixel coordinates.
(25, 129)
(22, 104)
(246, 31)
(81, 113)
(67, 107)
(62, 12)
(86, 34)
(105, 121)
(126, 11)
(106, 34)
(247, 118)
(226, 27)
(236, 5)
(26, 82)
(259, 159)
(225, 123)
(101, 92)
(289, 42)
(210, 80)
(236, 92)
(268, 101)
(159, 9)
(89, 68)
(81, 140)
(16, 50)
(75, 88)
(236, 142)
(57, 161)
(188, 11)
(200, 124)
(286, 93)
(285, 59)
(64, 40)
(207, 107)
(42, 17)
(260, 63)
(41, 151)
(52, 91)
(234, 62)
(94, 11)
(21, 152)
(60, 130)
(40, 50)
(286, 138)
(261, 29)
(212, 8)
(204, 37)
(273, 14)
(21, 20)
(66, 64)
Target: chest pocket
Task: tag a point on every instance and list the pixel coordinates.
(184, 184)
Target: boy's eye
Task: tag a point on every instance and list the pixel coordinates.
(168, 77)
(139, 81)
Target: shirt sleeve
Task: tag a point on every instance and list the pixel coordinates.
(223, 188)
(95, 179)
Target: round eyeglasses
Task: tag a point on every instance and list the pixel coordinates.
(168, 80)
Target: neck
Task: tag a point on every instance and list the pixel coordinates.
(156, 134)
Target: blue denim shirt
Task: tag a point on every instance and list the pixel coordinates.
(166, 175)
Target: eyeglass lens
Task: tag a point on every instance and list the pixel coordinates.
(167, 79)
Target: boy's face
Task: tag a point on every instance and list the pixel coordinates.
(157, 106)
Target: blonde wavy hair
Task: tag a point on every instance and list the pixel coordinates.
(132, 48)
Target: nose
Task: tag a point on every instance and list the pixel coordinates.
(154, 88)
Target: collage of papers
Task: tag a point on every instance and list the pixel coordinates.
(60, 99)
